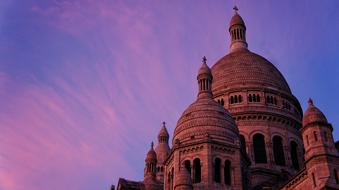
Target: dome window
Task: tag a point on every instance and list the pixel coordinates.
(271, 100)
(254, 98)
(278, 151)
(235, 99)
(259, 148)
(227, 172)
(188, 166)
(196, 170)
(294, 155)
(217, 174)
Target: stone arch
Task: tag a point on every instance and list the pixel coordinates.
(259, 148)
(187, 165)
(294, 155)
(278, 150)
(196, 170)
(217, 170)
(227, 172)
(242, 143)
(335, 173)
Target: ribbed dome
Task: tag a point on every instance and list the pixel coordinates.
(248, 69)
(236, 20)
(163, 132)
(313, 114)
(204, 116)
(204, 69)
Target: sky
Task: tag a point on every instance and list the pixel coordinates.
(85, 84)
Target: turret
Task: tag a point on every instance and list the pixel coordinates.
(162, 150)
(150, 166)
(317, 133)
(321, 156)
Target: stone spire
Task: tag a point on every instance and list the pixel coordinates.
(204, 80)
(163, 135)
(162, 150)
(150, 165)
(237, 30)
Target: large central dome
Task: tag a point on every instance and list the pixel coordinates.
(243, 68)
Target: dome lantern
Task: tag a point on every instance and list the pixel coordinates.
(204, 80)
(237, 30)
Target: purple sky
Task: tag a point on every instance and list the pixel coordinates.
(85, 84)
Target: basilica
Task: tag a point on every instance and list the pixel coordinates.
(245, 130)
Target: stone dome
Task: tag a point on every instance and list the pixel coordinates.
(163, 132)
(151, 155)
(313, 114)
(246, 69)
(204, 116)
(236, 20)
(204, 69)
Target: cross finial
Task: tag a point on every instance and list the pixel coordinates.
(204, 59)
(310, 102)
(235, 8)
(164, 124)
(152, 144)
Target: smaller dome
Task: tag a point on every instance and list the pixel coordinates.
(151, 155)
(313, 114)
(236, 20)
(204, 69)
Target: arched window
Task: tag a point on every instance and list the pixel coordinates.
(227, 172)
(240, 98)
(232, 100)
(169, 181)
(188, 166)
(294, 155)
(197, 170)
(222, 102)
(259, 148)
(307, 141)
(217, 174)
(242, 143)
(254, 98)
(335, 173)
(258, 98)
(250, 98)
(278, 151)
(315, 136)
(235, 99)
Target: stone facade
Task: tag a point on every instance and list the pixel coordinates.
(245, 130)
